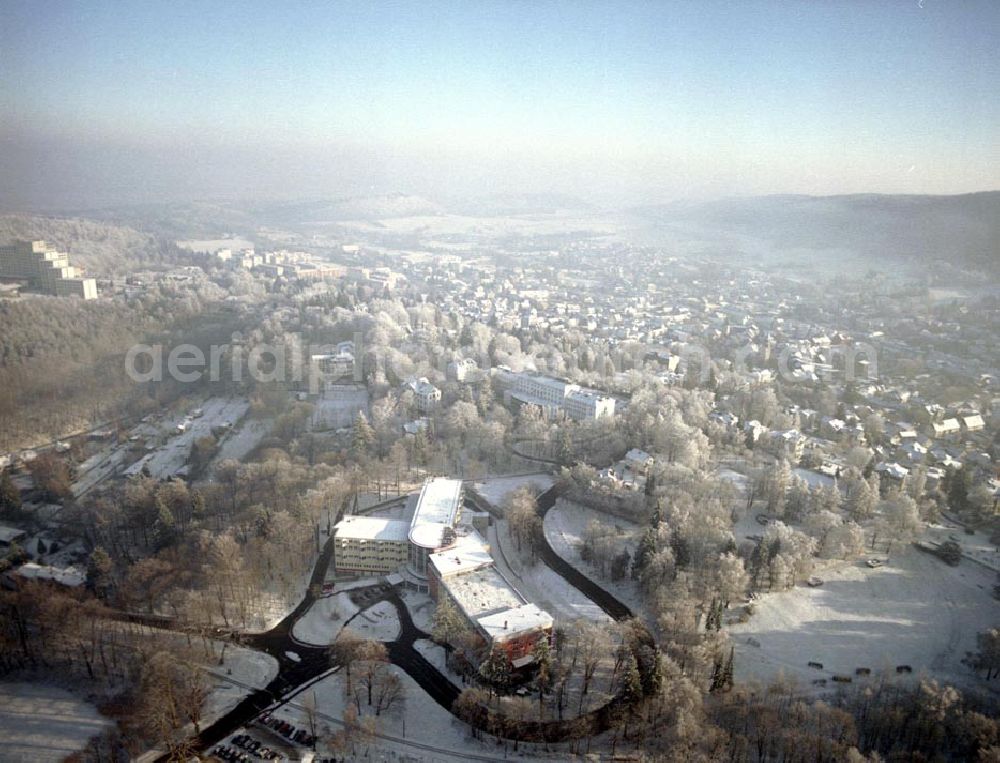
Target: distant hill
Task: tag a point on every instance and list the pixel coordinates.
(382, 207)
(963, 229)
(500, 205)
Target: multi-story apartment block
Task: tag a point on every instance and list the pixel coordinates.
(370, 544)
(555, 395)
(44, 270)
(373, 544)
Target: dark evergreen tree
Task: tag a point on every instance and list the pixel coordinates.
(10, 496)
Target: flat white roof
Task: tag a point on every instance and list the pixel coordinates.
(516, 620)
(469, 553)
(436, 510)
(371, 528)
(482, 592)
(68, 576)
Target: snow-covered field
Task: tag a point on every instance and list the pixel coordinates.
(914, 611)
(44, 723)
(242, 670)
(539, 584)
(495, 490)
(321, 624)
(378, 623)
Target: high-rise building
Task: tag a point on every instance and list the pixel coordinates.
(44, 270)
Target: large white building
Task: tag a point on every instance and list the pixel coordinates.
(374, 544)
(44, 270)
(494, 609)
(555, 395)
(370, 544)
(433, 524)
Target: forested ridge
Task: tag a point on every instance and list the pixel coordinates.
(96, 247)
(62, 363)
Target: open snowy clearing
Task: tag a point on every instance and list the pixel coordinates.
(975, 545)
(378, 623)
(915, 611)
(44, 723)
(495, 490)
(321, 624)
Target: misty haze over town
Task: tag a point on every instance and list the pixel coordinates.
(490, 380)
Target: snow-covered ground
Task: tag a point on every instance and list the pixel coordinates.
(378, 623)
(321, 624)
(282, 595)
(813, 479)
(168, 459)
(539, 584)
(338, 406)
(242, 670)
(914, 611)
(421, 607)
(739, 480)
(975, 546)
(415, 728)
(41, 723)
(495, 490)
(239, 442)
(565, 528)
(98, 468)
(436, 655)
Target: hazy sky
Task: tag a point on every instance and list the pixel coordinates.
(128, 100)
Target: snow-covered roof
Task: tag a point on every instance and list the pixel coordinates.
(638, 456)
(482, 592)
(469, 553)
(507, 623)
(10, 535)
(68, 576)
(371, 528)
(436, 510)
